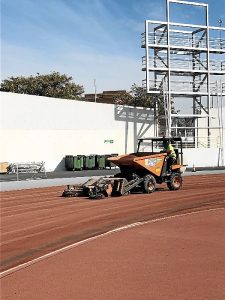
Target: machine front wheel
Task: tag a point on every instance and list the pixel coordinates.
(175, 182)
(149, 184)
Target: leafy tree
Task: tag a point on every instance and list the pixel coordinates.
(138, 96)
(50, 85)
(123, 98)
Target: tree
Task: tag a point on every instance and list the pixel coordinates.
(50, 85)
(138, 96)
(123, 98)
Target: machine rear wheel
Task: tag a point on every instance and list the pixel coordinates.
(175, 182)
(149, 184)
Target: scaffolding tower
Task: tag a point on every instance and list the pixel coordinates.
(184, 60)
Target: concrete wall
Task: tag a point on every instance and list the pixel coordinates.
(46, 129)
(214, 156)
(217, 131)
(204, 157)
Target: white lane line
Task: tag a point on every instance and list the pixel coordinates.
(36, 260)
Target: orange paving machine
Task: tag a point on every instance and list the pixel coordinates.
(139, 171)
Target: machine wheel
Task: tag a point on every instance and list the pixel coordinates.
(175, 182)
(149, 184)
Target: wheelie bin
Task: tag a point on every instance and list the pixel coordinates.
(69, 162)
(101, 161)
(90, 162)
(79, 162)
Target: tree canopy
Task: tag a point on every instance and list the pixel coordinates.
(137, 96)
(50, 85)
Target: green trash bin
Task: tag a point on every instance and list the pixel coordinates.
(78, 162)
(87, 162)
(90, 162)
(69, 162)
(101, 161)
(94, 161)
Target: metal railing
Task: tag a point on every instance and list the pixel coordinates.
(182, 40)
(183, 86)
(191, 141)
(184, 64)
(201, 142)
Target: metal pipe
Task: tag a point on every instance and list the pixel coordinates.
(195, 127)
(168, 63)
(208, 72)
(188, 3)
(219, 122)
(221, 107)
(17, 172)
(216, 28)
(188, 25)
(147, 56)
(95, 90)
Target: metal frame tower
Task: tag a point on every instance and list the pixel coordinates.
(184, 60)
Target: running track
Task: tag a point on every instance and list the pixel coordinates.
(37, 222)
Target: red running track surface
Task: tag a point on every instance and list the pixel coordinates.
(36, 222)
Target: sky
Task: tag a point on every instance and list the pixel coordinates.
(90, 40)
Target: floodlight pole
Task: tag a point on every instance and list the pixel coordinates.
(168, 64)
(220, 21)
(222, 124)
(95, 90)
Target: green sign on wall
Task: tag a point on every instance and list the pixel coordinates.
(108, 141)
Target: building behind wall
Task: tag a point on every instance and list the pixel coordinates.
(107, 97)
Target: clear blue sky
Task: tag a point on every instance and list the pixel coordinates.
(86, 39)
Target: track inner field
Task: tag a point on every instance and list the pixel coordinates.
(38, 221)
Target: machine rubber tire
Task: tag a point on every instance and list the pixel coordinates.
(149, 184)
(175, 182)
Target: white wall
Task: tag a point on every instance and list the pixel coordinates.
(217, 130)
(204, 157)
(46, 129)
